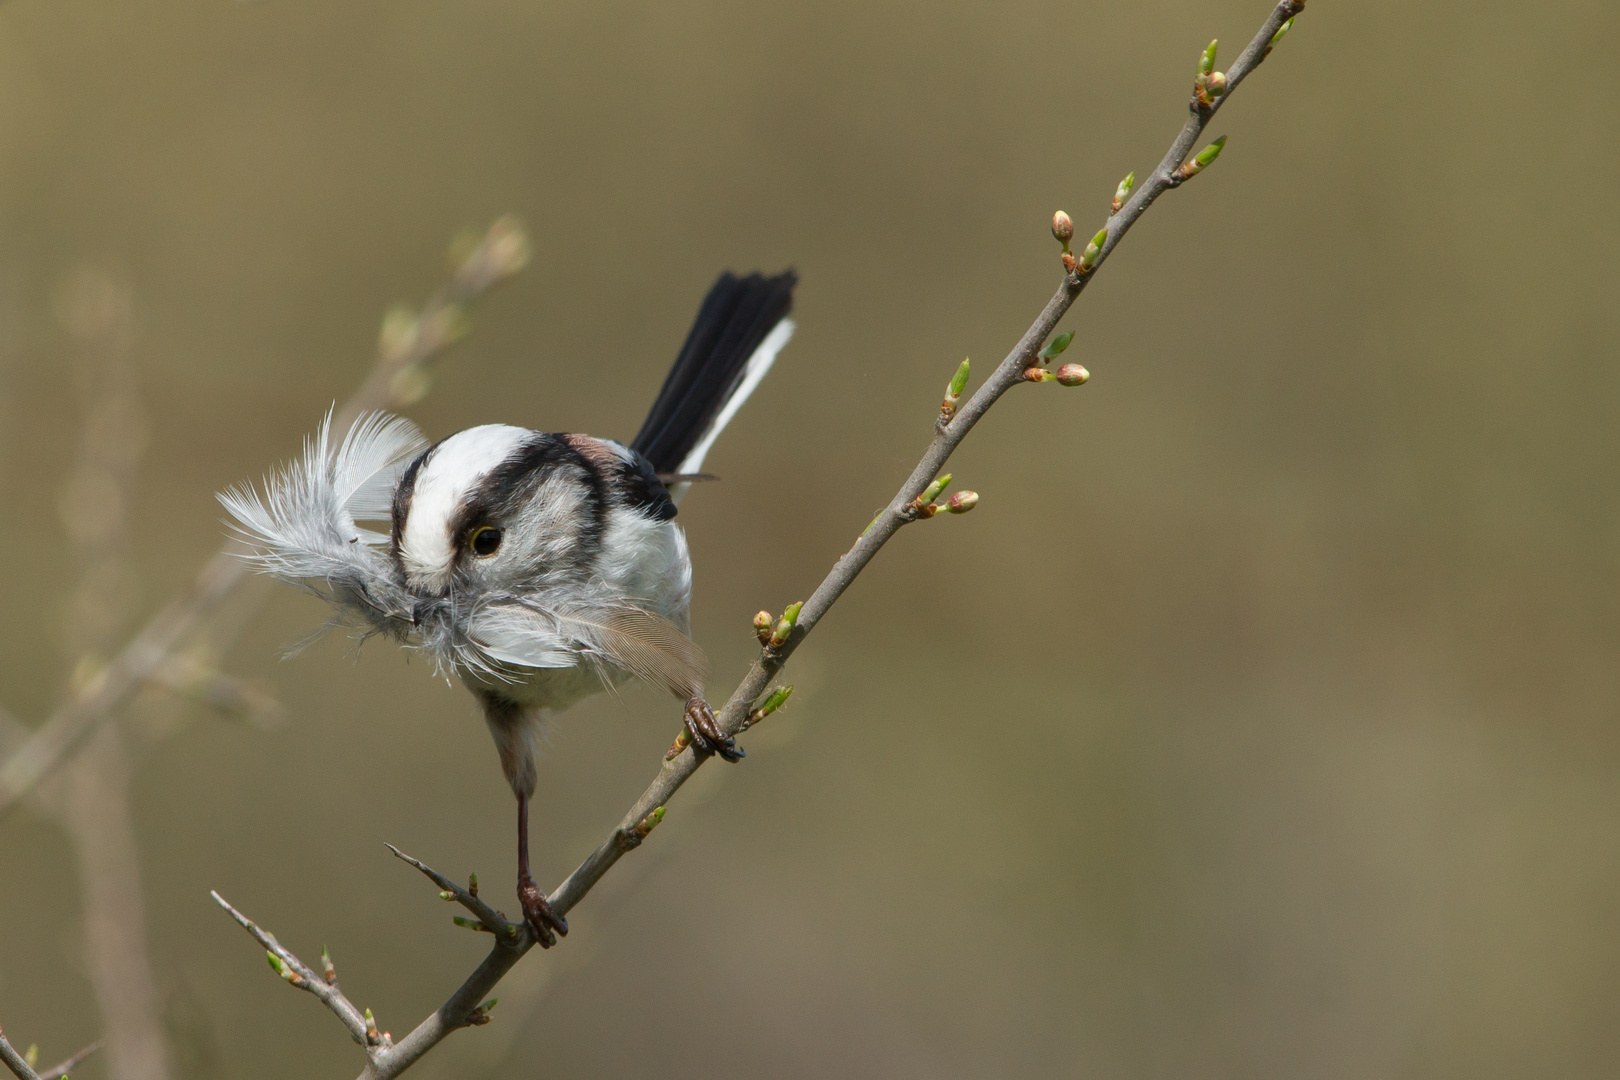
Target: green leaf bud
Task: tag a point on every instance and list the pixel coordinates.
(1055, 347)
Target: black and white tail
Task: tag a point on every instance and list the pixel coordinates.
(740, 328)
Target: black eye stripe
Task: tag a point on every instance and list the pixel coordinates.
(507, 488)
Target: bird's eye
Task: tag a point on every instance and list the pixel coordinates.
(485, 540)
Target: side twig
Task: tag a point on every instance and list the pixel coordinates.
(323, 986)
(62, 1071)
(22, 1070)
(488, 917)
(14, 1061)
(912, 502)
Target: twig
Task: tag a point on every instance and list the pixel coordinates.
(18, 1064)
(60, 1072)
(953, 426)
(948, 436)
(14, 1061)
(407, 346)
(299, 974)
(492, 920)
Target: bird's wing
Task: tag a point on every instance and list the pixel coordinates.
(552, 630)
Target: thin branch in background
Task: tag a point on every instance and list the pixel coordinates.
(84, 750)
(90, 798)
(917, 500)
(408, 345)
(13, 732)
(22, 1065)
(62, 1071)
(188, 676)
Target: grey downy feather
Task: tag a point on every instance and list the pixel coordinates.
(303, 529)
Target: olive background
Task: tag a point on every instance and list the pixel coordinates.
(1260, 722)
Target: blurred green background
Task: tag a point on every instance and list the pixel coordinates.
(1261, 721)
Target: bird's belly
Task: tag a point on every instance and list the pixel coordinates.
(543, 688)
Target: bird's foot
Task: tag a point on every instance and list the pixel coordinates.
(704, 729)
(545, 923)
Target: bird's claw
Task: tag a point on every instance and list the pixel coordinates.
(545, 923)
(704, 729)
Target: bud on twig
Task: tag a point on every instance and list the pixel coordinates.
(1276, 39)
(1088, 258)
(508, 247)
(398, 334)
(1122, 192)
(1208, 84)
(953, 392)
(503, 251)
(1038, 374)
(284, 970)
(1198, 164)
(480, 1016)
(682, 740)
(785, 625)
(328, 969)
(1072, 374)
(470, 924)
(762, 627)
(1055, 347)
(776, 700)
(650, 822)
(446, 895)
(923, 505)
(1063, 228)
(472, 884)
(31, 1055)
(372, 1034)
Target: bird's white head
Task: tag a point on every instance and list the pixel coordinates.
(496, 507)
(433, 492)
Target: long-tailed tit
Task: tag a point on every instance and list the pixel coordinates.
(539, 568)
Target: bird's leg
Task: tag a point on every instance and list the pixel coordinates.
(545, 923)
(705, 731)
